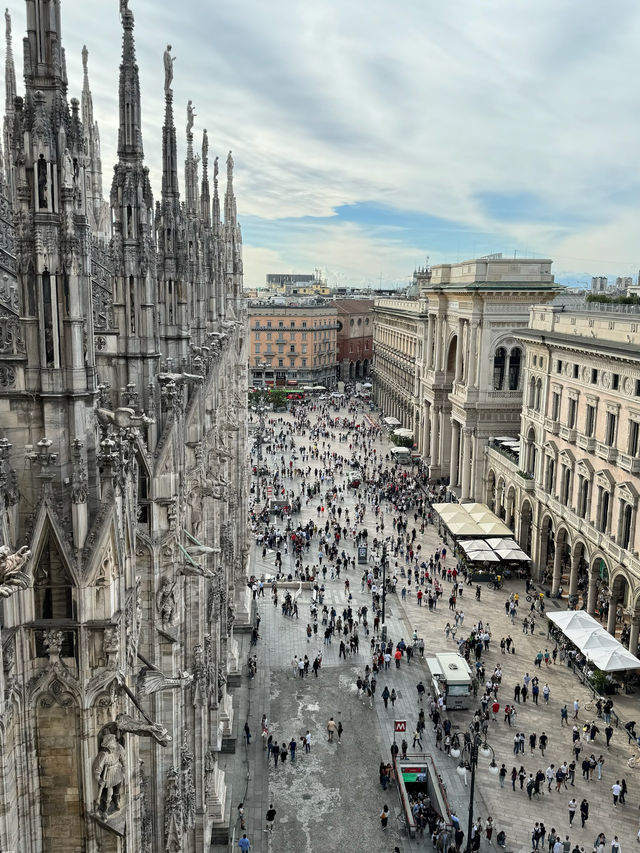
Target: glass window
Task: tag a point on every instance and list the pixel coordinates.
(499, 362)
(515, 358)
(590, 421)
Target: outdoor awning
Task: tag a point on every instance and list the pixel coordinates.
(599, 647)
(392, 422)
(512, 554)
(476, 545)
(483, 557)
(403, 432)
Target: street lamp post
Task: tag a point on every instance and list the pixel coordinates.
(476, 744)
(384, 581)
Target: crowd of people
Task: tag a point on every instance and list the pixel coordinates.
(388, 512)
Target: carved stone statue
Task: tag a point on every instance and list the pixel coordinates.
(12, 578)
(166, 603)
(124, 7)
(109, 771)
(168, 68)
(126, 723)
(190, 117)
(152, 681)
(67, 169)
(205, 144)
(180, 378)
(111, 646)
(7, 21)
(210, 761)
(216, 169)
(122, 417)
(53, 640)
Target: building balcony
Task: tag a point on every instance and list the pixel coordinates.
(568, 433)
(629, 463)
(552, 426)
(609, 454)
(586, 442)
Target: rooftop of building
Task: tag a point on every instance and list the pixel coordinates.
(349, 305)
(492, 272)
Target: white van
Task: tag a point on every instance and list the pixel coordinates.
(451, 678)
(401, 455)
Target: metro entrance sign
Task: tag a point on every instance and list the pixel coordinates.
(400, 725)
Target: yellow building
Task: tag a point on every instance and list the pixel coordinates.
(297, 284)
(293, 343)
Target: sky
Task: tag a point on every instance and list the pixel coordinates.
(369, 136)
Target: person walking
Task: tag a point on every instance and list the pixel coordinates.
(331, 727)
(572, 810)
(616, 788)
(270, 817)
(243, 825)
(584, 812)
(385, 696)
(564, 716)
(416, 739)
(244, 844)
(307, 741)
(384, 816)
(247, 733)
(340, 729)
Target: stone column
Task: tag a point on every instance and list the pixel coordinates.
(455, 453)
(433, 417)
(573, 577)
(611, 617)
(427, 359)
(466, 464)
(441, 449)
(458, 376)
(557, 569)
(592, 593)
(633, 636)
(439, 347)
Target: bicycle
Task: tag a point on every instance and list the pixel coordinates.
(495, 584)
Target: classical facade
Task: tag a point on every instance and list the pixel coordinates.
(293, 343)
(447, 364)
(355, 339)
(123, 472)
(398, 326)
(571, 491)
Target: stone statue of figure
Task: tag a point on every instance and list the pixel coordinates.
(85, 58)
(12, 577)
(190, 116)
(109, 771)
(7, 22)
(42, 181)
(126, 723)
(229, 164)
(124, 7)
(205, 145)
(215, 169)
(67, 169)
(166, 602)
(168, 68)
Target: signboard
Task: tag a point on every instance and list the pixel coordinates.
(399, 726)
(362, 554)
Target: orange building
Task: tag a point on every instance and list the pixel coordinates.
(293, 342)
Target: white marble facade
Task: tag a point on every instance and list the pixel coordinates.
(123, 470)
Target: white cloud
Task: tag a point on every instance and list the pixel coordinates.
(421, 106)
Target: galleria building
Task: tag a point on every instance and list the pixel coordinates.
(123, 470)
(528, 400)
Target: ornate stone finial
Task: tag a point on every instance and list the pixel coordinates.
(85, 59)
(53, 644)
(168, 69)
(216, 170)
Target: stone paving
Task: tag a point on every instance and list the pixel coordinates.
(331, 799)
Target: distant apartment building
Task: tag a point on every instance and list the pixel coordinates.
(355, 338)
(599, 283)
(293, 343)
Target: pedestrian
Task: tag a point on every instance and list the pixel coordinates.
(241, 816)
(576, 709)
(616, 788)
(384, 816)
(385, 696)
(393, 697)
(572, 809)
(247, 733)
(270, 817)
(416, 739)
(331, 727)
(307, 741)
(502, 775)
(340, 729)
(244, 843)
(543, 740)
(584, 812)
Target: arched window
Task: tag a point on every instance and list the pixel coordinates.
(625, 533)
(531, 453)
(532, 393)
(566, 486)
(551, 475)
(499, 363)
(514, 369)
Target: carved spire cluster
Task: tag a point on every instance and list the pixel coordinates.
(130, 130)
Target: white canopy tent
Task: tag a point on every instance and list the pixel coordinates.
(598, 646)
(392, 422)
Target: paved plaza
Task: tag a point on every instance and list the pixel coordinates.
(330, 799)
